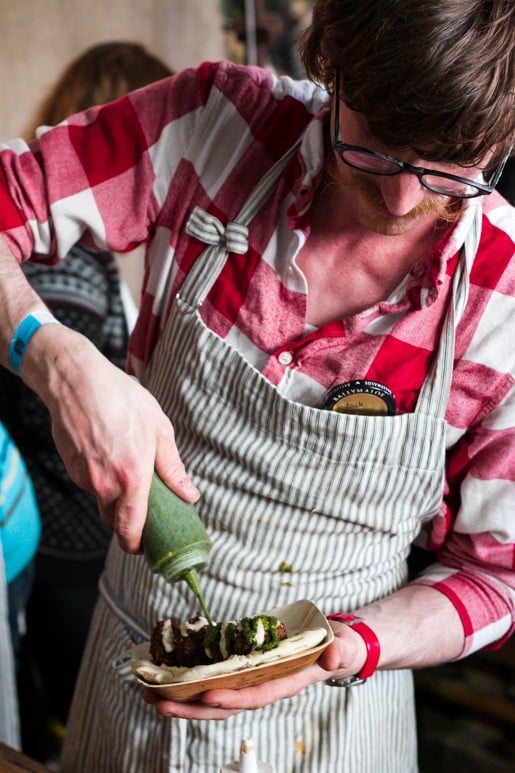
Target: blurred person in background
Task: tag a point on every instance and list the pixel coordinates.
(20, 529)
(86, 293)
(284, 50)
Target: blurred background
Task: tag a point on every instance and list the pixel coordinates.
(39, 37)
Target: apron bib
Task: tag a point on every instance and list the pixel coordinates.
(338, 498)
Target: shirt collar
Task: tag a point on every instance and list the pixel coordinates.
(429, 274)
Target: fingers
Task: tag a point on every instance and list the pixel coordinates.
(121, 482)
(331, 658)
(126, 516)
(171, 470)
(130, 512)
(112, 433)
(187, 710)
(131, 506)
(221, 704)
(126, 513)
(263, 694)
(345, 655)
(107, 512)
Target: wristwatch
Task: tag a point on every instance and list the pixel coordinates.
(372, 645)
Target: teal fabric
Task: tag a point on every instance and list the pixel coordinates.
(20, 522)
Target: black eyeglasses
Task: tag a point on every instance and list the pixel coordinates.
(438, 182)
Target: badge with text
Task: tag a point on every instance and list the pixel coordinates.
(361, 397)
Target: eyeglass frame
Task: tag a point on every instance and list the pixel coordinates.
(482, 189)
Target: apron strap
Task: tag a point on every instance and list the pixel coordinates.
(233, 237)
(434, 395)
(116, 608)
(221, 239)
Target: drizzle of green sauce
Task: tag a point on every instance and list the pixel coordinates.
(211, 635)
(192, 580)
(230, 631)
(249, 627)
(271, 629)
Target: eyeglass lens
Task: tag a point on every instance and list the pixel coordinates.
(367, 162)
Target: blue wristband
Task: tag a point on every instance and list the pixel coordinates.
(23, 333)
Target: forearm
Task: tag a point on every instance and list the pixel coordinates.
(417, 627)
(49, 347)
(17, 298)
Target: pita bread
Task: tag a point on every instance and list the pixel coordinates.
(143, 667)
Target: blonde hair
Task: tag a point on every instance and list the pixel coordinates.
(102, 73)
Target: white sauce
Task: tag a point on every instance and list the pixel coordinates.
(260, 634)
(194, 624)
(167, 636)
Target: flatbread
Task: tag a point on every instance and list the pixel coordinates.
(143, 666)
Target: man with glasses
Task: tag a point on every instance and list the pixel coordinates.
(326, 322)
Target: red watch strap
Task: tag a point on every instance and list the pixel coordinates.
(368, 636)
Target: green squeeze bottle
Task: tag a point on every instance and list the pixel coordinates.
(175, 542)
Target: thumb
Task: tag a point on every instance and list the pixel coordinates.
(172, 472)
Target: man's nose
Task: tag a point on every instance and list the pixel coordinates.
(402, 192)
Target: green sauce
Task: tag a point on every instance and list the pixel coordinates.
(249, 627)
(191, 579)
(270, 624)
(229, 637)
(211, 635)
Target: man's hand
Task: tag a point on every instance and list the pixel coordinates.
(221, 704)
(109, 430)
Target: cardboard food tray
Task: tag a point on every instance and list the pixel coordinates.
(297, 617)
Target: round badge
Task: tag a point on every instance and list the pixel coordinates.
(361, 397)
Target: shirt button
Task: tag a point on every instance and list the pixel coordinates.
(285, 358)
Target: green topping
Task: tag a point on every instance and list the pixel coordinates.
(229, 638)
(211, 635)
(271, 628)
(249, 627)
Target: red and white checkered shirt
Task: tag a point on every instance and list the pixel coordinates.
(132, 172)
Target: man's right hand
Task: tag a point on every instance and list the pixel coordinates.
(110, 432)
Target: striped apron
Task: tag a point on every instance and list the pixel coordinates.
(338, 498)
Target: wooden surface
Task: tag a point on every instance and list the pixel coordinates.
(12, 761)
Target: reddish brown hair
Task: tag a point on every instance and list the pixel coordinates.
(425, 74)
(100, 74)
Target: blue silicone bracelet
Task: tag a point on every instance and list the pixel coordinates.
(22, 335)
